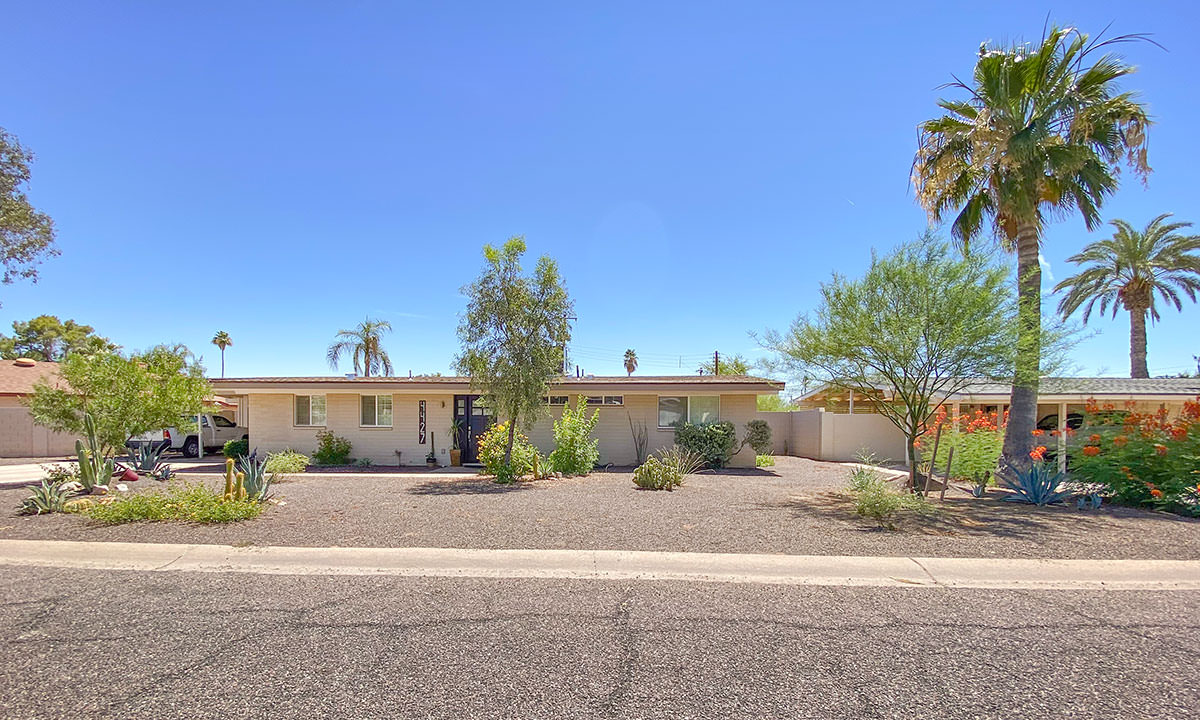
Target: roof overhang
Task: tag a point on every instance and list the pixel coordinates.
(443, 385)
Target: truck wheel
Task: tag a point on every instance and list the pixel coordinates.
(191, 447)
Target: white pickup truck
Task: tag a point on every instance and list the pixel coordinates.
(216, 429)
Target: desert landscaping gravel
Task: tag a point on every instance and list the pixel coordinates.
(796, 507)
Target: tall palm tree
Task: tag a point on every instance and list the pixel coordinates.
(364, 346)
(222, 340)
(630, 361)
(1042, 133)
(1128, 270)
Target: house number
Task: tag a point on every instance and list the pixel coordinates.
(421, 422)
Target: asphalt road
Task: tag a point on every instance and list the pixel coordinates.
(122, 644)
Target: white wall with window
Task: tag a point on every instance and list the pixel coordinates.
(609, 400)
(309, 411)
(695, 409)
(375, 410)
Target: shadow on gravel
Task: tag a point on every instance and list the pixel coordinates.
(968, 516)
(465, 486)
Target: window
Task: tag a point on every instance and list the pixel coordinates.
(222, 421)
(555, 400)
(697, 409)
(310, 410)
(376, 410)
(611, 400)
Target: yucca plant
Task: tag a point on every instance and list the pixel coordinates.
(145, 457)
(1037, 485)
(49, 497)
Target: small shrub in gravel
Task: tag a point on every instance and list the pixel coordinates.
(236, 448)
(714, 443)
(576, 451)
(764, 461)
(286, 462)
(873, 498)
(188, 503)
(525, 457)
(331, 449)
(666, 469)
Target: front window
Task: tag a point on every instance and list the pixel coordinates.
(672, 411)
(376, 410)
(610, 400)
(556, 400)
(696, 409)
(310, 410)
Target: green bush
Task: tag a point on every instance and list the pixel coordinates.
(236, 448)
(976, 439)
(666, 469)
(331, 449)
(758, 436)
(575, 451)
(715, 443)
(287, 462)
(525, 457)
(764, 461)
(188, 503)
(873, 498)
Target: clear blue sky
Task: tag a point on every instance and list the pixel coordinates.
(282, 170)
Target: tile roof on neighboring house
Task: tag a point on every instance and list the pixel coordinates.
(18, 379)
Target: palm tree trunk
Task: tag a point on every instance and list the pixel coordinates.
(222, 362)
(1137, 344)
(1022, 408)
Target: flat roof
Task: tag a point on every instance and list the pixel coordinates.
(444, 383)
(1071, 387)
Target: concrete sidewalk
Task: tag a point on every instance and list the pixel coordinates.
(613, 565)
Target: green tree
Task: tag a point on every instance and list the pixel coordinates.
(1128, 270)
(730, 365)
(774, 403)
(630, 362)
(48, 338)
(26, 235)
(126, 395)
(513, 334)
(921, 324)
(222, 340)
(1042, 132)
(364, 344)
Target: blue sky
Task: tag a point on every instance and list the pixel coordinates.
(283, 170)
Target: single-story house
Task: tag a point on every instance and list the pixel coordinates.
(19, 436)
(391, 420)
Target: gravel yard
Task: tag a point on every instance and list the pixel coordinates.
(793, 508)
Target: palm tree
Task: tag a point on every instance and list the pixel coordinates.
(364, 346)
(630, 361)
(1043, 132)
(222, 340)
(1128, 270)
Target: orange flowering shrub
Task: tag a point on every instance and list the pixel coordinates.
(977, 439)
(1142, 458)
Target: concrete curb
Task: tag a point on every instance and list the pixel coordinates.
(901, 572)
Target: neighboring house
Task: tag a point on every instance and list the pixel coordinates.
(19, 436)
(383, 416)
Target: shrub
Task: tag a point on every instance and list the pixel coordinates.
(331, 449)
(287, 462)
(59, 474)
(49, 497)
(764, 461)
(666, 469)
(758, 436)
(236, 448)
(525, 457)
(714, 442)
(575, 451)
(1141, 458)
(977, 441)
(873, 498)
(188, 503)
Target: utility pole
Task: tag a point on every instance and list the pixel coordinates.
(716, 362)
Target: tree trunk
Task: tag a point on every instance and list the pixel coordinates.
(1137, 343)
(1022, 409)
(512, 432)
(222, 362)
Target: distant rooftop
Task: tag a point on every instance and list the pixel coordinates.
(1071, 386)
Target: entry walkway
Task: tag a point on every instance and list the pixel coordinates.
(903, 572)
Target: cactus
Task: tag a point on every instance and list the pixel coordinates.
(239, 492)
(145, 457)
(257, 480)
(228, 494)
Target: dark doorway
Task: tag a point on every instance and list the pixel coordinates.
(474, 418)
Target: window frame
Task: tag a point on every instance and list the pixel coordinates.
(324, 411)
(598, 401)
(377, 425)
(550, 400)
(687, 412)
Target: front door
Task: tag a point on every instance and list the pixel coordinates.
(474, 419)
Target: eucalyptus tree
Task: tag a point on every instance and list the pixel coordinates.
(364, 345)
(513, 334)
(1042, 131)
(1129, 270)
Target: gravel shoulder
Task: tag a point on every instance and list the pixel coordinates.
(794, 508)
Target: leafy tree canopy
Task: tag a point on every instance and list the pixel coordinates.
(47, 338)
(126, 395)
(730, 365)
(26, 235)
(513, 333)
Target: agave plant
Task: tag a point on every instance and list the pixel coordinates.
(94, 468)
(1037, 485)
(145, 457)
(257, 480)
(49, 497)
